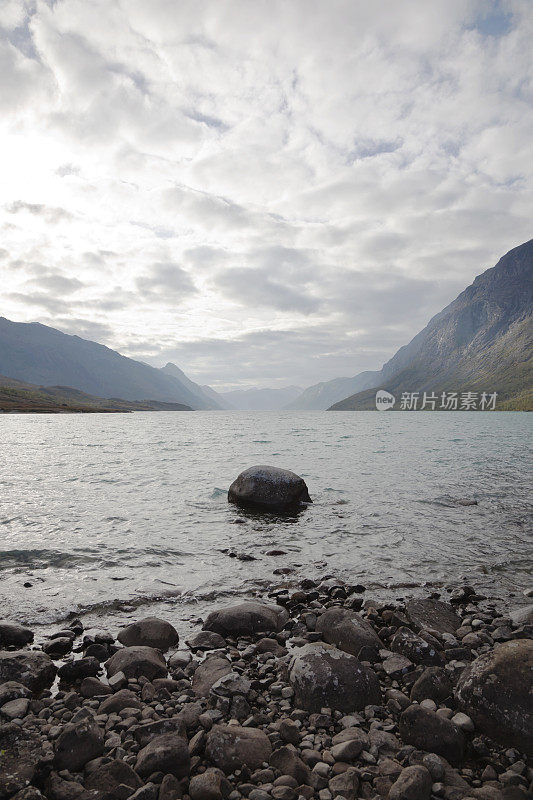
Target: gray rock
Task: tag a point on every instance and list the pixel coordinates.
(206, 640)
(78, 743)
(496, 691)
(59, 646)
(229, 747)
(433, 684)
(114, 704)
(15, 709)
(414, 783)
(29, 793)
(12, 690)
(14, 635)
(208, 673)
(210, 785)
(397, 665)
(415, 648)
(108, 777)
(92, 687)
(247, 619)
(57, 788)
(170, 788)
(345, 785)
(269, 488)
(149, 632)
(33, 669)
(137, 661)
(81, 668)
(287, 760)
(145, 733)
(348, 631)
(433, 615)
(168, 754)
(20, 754)
(323, 676)
(150, 791)
(522, 615)
(431, 732)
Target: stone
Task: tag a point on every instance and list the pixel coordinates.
(415, 648)
(149, 632)
(135, 662)
(345, 785)
(14, 635)
(20, 754)
(247, 619)
(289, 731)
(270, 489)
(58, 647)
(230, 685)
(58, 788)
(433, 733)
(495, 691)
(33, 669)
(323, 676)
(145, 733)
(168, 754)
(427, 614)
(413, 783)
(12, 690)
(210, 785)
(206, 640)
(208, 673)
(107, 777)
(463, 721)
(288, 762)
(81, 668)
(522, 615)
(29, 793)
(347, 630)
(170, 788)
(115, 703)
(78, 743)
(15, 709)
(434, 683)
(92, 687)
(231, 747)
(150, 791)
(397, 665)
(348, 750)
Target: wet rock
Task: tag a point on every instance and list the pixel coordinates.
(397, 665)
(434, 683)
(146, 733)
(92, 687)
(433, 615)
(80, 668)
(269, 488)
(345, 785)
(33, 669)
(415, 648)
(414, 783)
(230, 747)
(115, 703)
(108, 777)
(149, 632)
(12, 690)
(347, 630)
(323, 676)
(431, 732)
(210, 785)
(78, 743)
(168, 754)
(522, 615)
(288, 762)
(208, 673)
(247, 619)
(58, 647)
(206, 640)
(135, 662)
(20, 753)
(495, 690)
(15, 709)
(14, 635)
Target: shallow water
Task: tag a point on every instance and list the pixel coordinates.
(118, 515)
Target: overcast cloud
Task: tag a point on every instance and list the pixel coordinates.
(265, 191)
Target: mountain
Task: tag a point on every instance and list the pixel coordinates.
(323, 395)
(217, 397)
(208, 396)
(261, 399)
(482, 341)
(41, 355)
(26, 397)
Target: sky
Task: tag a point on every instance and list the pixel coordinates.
(265, 192)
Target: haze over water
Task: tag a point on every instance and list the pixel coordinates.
(110, 514)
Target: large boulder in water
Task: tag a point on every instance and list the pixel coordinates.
(246, 619)
(33, 669)
(269, 488)
(324, 677)
(149, 632)
(348, 631)
(496, 691)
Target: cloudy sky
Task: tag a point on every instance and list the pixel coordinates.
(263, 191)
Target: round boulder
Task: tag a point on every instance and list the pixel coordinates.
(347, 630)
(168, 754)
(33, 669)
(78, 743)
(14, 635)
(246, 619)
(149, 632)
(323, 676)
(208, 673)
(429, 731)
(231, 747)
(136, 661)
(269, 488)
(496, 691)
(209, 785)
(20, 753)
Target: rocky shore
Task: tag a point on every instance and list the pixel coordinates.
(311, 692)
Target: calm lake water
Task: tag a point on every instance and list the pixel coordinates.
(123, 515)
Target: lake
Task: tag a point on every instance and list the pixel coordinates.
(121, 514)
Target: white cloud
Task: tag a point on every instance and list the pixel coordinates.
(225, 184)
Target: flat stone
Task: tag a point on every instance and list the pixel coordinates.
(208, 673)
(433, 615)
(347, 630)
(135, 662)
(431, 732)
(14, 635)
(33, 669)
(149, 632)
(168, 754)
(246, 619)
(229, 747)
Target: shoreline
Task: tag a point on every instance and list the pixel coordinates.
(267, 700)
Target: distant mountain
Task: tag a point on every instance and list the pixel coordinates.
(208, 396)
(47, 357)
(261, 399)
(482, 341)
(323, 395)
(218, 398)
(20, 396)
